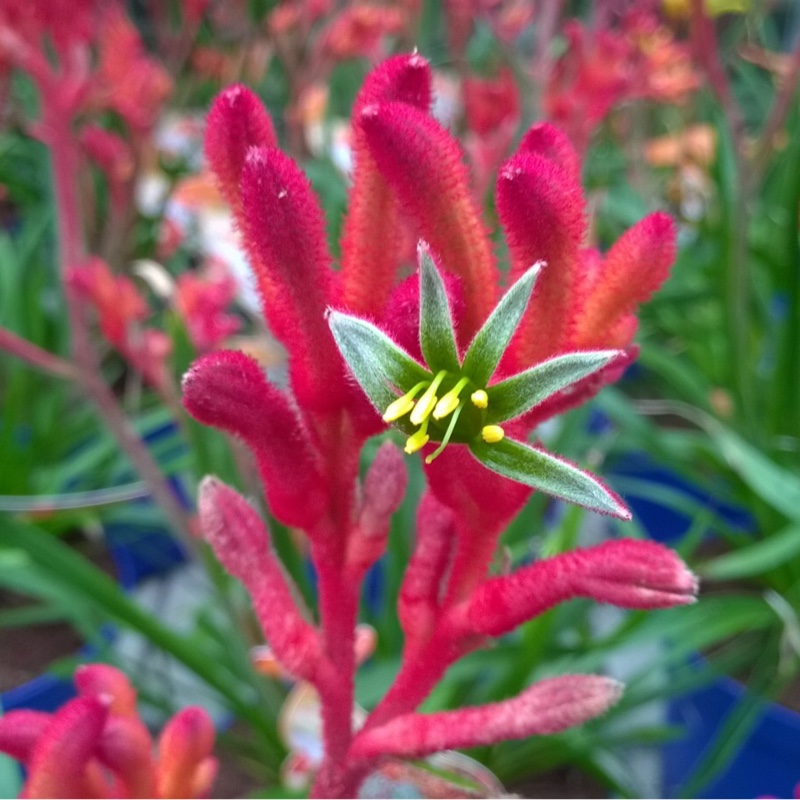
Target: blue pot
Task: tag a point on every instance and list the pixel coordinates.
(767, 763)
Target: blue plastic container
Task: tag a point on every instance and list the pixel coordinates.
(768, 762)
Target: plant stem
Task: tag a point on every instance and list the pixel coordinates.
(57, 133)
(35, 355)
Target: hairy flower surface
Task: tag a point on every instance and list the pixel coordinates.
(453, 399)
(97, 746)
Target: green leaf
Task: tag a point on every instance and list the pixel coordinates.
(756, 558)
(548, 473)
(492, 339)
(375, 360)
(436, 325)
(516, 395)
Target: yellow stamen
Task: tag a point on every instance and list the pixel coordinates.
(418, 440)
(402, 405)
(450, 428)
(479, 398)
(426, 403)
(449, 402)
(492, 433)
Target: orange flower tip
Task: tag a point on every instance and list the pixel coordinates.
(416, 442)
(492, 434)
(479, 398)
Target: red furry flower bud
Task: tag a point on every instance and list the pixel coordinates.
(627, 573)
(186, 767)
(284, 227)
(423, 164)
(633, 269)
(229, 390)
(241, 541)
(236, 122)
(109, 683)
(19, 732)
(372, 237)
(547, 707)
(542, 209)
(550, 142)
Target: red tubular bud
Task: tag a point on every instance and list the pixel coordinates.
(384, 489)
(422, 588)
(127, 750)
(550, 142)
(372, 238)
(109, 683)
(547, 707)
(628, 573)
(186, 742)
(285, 230)
(58, 763)
(423, 164)
(542, 210)
(236, 122)
(19, 732)
(229, 390)
(633, 269)
(241, 542)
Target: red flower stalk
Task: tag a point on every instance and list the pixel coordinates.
(441, 338)
(96, 745)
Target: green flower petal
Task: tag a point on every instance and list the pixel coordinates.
(436, 336)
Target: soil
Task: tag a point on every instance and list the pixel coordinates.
(27, 652)
(566, 782)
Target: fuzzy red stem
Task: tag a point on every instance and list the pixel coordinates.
(35, 355)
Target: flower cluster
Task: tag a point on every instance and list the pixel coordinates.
(97, 746)
(466, 370)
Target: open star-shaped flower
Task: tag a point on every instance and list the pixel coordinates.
(451, 399)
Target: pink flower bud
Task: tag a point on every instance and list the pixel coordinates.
(372, 236)
(384, 489)
(185, 745)
(58, 763)
(550, 142)
(423, 164)
(229, 390)
(542, 209)
(422, 589)
(19, 732)
(241, 542)
(236, 122)
(633, 269)
(628, 573)
(285, 230)
(126, 748)
(547, 707)
(110, 684)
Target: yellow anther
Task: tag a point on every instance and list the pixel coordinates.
(479, 398)
(418, 440)
(426, 403)
(449, 402)
(492, 433)
(402, 405)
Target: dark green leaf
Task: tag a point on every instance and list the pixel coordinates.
(513, 397)
(549, 474)
(491, 340)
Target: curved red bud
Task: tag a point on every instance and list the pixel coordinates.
(422, 590)
(547, 707)
(423, 164)
(284, 230)
(548, 141)
(241, 542)
(628, 573)
(236, 122)
(229, 390)
(372, 237)
(19, 732)
(110, 684)
(60, 759)
(186, 742)
(127, 750)
(542, 209)
(633, 269)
